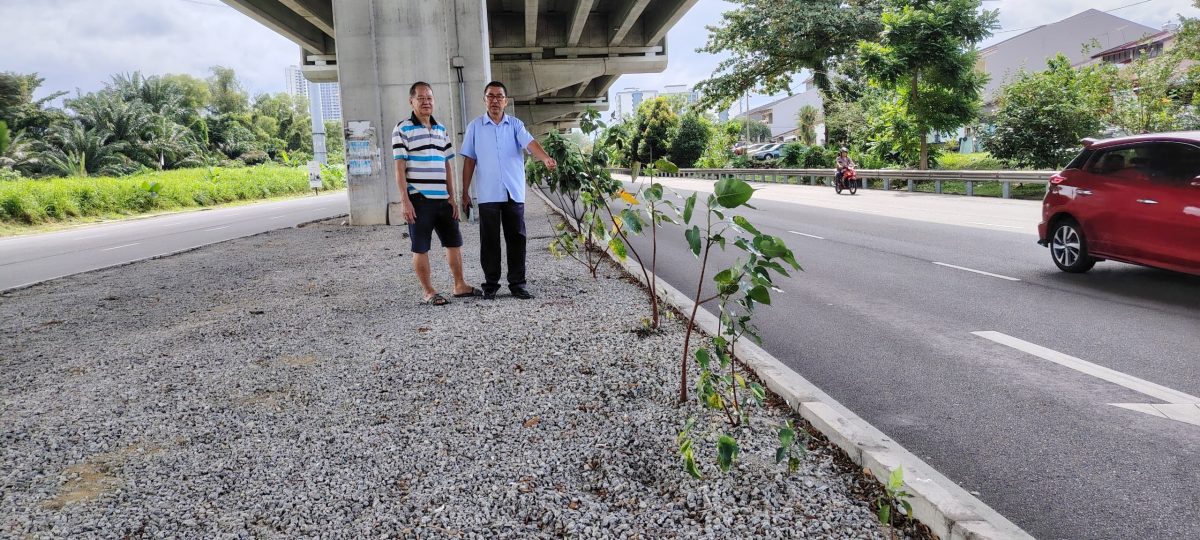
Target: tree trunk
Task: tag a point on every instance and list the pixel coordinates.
(822, 82)
(922, 132)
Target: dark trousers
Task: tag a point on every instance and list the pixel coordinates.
(508, 216)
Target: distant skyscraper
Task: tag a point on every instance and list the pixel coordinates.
(329, 93)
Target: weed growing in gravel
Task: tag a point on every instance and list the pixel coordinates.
(740, 288)
(647, 206)
(788, 449)
(584, 187)
(893, 498)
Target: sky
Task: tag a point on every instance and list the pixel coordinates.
(77, 45)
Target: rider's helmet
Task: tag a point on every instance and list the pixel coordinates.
(844, 149)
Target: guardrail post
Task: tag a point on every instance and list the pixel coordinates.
(937, 186)
(1007, 190)
(970, 188)
(887, 184)
(911, 187)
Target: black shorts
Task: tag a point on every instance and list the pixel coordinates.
(433, 215)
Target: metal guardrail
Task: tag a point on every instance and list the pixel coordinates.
(886, 176)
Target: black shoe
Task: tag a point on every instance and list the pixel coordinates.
(489, 294)
(522, 293)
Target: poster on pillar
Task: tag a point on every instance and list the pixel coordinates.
(362, 154)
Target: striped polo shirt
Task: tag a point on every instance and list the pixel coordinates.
(426, 152)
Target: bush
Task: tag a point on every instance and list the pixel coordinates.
(9, 174)
(30, 201)
(979, 161)
(254, 157)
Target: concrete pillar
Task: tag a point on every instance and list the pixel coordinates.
(383, 46)
(318, 126)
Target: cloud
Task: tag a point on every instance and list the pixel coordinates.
(79, 44)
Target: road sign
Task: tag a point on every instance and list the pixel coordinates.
(314, 174)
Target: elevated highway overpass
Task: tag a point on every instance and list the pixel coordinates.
(557, 58)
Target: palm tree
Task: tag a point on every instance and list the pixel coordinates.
(75, 150)
(15, 151)
(806, 122)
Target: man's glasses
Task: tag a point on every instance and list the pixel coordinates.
(424, 99)
(494, 97)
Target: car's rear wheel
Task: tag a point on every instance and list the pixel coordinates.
(1068, 247)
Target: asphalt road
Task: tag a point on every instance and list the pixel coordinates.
(25, 260)
(884, 316)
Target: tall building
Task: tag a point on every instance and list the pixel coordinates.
(681, 90)
(629, 99)
(328, 93)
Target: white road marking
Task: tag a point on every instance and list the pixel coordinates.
(808, 235)
(276, 217)
(1179, 405)
(119, 247)
(90, 236)
(997, 225)
(976, 271)
(218, 228)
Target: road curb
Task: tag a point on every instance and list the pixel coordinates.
(946, 508)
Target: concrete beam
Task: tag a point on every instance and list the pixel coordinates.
(528, 79)
(531, 22)
(579, 18)
(623, 19)
(287, 23)
(664, 16)
(317, 12)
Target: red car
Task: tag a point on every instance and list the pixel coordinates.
(1131, 199)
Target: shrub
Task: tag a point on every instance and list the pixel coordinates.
(254, 157)
(979, 161)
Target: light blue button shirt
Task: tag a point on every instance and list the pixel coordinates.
(499, 154)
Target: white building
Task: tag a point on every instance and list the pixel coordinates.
(329, 93)
(780, 115)
(628, 100)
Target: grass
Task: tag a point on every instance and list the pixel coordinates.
(34, 203)
(982, 189)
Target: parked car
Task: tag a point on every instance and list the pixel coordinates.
(1131, 199)
(747, 149)
(770, 151)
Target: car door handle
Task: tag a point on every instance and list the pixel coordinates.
(1084, 192)
(1147, 201)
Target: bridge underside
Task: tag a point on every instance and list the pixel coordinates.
(557, 57)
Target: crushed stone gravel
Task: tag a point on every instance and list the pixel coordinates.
(289, 385)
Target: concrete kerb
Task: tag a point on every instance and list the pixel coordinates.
(946, 508)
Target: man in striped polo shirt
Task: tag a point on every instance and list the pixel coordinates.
(422, 150)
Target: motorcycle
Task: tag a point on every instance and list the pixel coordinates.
(848, 181)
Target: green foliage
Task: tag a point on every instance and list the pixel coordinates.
(654, 124)
(926, 57)
(5, 139)
(748, 130)
(893, 498)
(798, 156)
(1041, 117)
(806, 122)
(31, 201)
(689, 140)
(1147, 96)
(687, 449)
(718, 152)
(768, 42)
(788, 450)
(225, 92)
(740, 288)
(584, 187)
(978, 161)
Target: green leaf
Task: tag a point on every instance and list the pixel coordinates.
(787, 436)
(732, 192)
(688, 206)
(724, 276)
(760, 294)
(703, 358)
(689, 465)
(666, 166)
(727, 451)
(781, 454)
(653, 193)
(745, 225)
(636, 170)
(714, 401)
(693, 238)
(897, 479)
(760, 394)
(632, 220)
(885, 513)
(793, 464)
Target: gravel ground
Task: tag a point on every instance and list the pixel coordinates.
(288, 384)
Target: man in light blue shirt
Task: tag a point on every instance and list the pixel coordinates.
(494, 152)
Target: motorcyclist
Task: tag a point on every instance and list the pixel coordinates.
(843, 162)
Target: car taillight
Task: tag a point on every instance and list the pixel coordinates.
(1057, 179)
